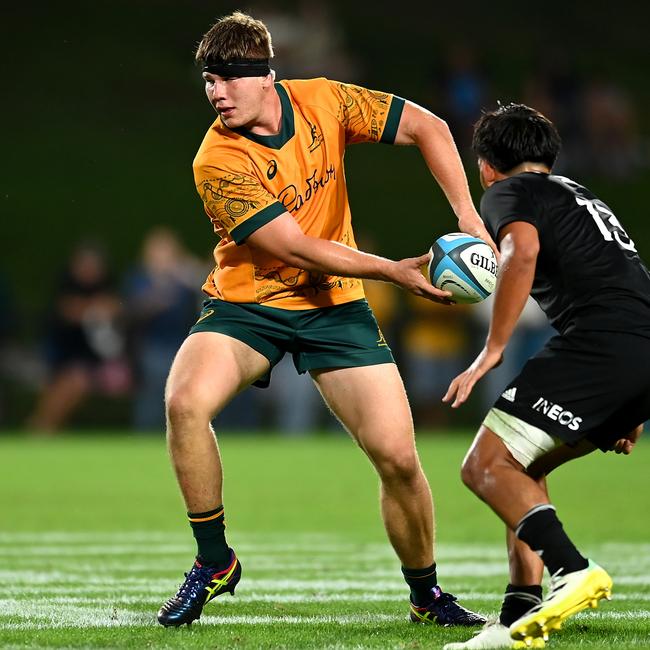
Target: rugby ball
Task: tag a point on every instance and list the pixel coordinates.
(464, 265)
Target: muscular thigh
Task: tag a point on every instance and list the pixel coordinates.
(371, 403)
(210, 368)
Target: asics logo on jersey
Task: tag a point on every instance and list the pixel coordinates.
(272, 169)
(293, 200)
(557, 413)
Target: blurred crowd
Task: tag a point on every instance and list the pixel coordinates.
(105, 344)
(103, 335)
(594, 113)
(595, 116)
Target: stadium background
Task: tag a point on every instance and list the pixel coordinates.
(103, 111)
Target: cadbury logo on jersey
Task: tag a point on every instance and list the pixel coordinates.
(557, 413)
(484, 263)
(293, 199)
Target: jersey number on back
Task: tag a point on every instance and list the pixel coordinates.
(610, 227)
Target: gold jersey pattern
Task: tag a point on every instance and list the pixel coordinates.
(245, 180)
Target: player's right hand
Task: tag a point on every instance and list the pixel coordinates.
(407, 273)
(625, 445)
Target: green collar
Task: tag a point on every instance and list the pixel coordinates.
(287, 127)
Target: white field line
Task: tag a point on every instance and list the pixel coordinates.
(180, 532)
(110, 587)
(97, 549)
(275, 542)
(248, 598)
(270, 542)
(112, 591)
(379, 578)
(188, 548)
(258, 566)
(174, 567)
(104, 543)
(84, 537)
(633, 615)
(454, 560)
(50, 616)
(357, 580)
(643, 580)
(278, 597)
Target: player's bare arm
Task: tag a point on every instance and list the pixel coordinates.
(283, 239)
(434, 140)
(519, 245)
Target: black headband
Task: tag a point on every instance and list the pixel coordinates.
(238, 67)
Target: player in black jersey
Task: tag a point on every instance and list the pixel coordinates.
(588, 389)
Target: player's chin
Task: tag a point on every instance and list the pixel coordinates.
(229, 118)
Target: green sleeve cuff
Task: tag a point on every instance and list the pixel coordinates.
(392, 121)
(248, 227)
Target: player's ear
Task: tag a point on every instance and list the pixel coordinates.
(487, 172)
(267, 81)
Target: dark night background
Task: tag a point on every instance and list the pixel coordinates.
(103, 110)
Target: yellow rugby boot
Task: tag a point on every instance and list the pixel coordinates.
(568, 595)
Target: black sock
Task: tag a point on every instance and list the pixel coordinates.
(210, 534)
(518, 600)
(421, 582)
(542, 531)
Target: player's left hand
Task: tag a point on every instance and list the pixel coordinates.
(471, 224)
(461, 387)
(625, 445)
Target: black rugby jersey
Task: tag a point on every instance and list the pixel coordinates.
(589, 274)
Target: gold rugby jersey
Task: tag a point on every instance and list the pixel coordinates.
(245, 180)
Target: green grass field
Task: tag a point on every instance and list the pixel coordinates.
(93, 538)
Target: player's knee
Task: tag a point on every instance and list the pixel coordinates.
(400, 465)
(473, 473)
(183, 407)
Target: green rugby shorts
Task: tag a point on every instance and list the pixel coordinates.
(340, 336)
